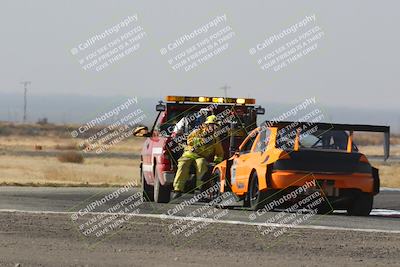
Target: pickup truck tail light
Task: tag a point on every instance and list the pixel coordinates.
(165, 157)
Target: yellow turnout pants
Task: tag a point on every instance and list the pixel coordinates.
(183, 172)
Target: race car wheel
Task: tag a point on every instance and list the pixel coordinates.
(256, 199)
(162, 193)
(147, 190)
(324, 208)
(361, 205)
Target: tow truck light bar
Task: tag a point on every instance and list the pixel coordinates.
(206, 99)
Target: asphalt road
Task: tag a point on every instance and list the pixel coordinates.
(75, 198)
(42, 227)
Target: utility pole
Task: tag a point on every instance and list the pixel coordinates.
(25, 83)
(225, 88)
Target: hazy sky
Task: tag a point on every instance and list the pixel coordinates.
(356, 63)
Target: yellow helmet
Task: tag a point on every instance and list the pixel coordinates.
(211, 119)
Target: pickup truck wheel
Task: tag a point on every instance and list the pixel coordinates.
(256, 199)
(361, 205)
(162, 193)
(147, 190)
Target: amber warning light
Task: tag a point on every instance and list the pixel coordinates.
(207, 99)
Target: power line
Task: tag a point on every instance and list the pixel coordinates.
(225, 88)
(25, 83)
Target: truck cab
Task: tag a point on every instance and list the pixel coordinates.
(177, 117)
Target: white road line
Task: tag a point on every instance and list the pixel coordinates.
(390, 189)
(384, 212)
(378, 212)
(208, 220)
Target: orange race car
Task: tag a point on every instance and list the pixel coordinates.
(278, 159)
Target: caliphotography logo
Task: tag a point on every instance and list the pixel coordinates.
(184, 133)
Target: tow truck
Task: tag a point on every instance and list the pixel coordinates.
(163, 145)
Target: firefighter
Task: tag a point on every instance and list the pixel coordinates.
(185, 125)
(202, 146)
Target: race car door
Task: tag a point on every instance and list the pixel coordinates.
(241, 168)
(249, 158)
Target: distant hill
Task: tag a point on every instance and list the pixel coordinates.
(83, 108)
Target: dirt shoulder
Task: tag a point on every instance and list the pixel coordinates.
(52, 240)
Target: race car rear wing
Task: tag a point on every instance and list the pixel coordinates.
(340, 127)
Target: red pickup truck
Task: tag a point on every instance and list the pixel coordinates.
(177, 117)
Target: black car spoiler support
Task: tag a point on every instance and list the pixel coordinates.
(339, 127)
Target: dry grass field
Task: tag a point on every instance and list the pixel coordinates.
(38, 171)
(28, 143)
(28, 156)
(34, 155)
(389, 173)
